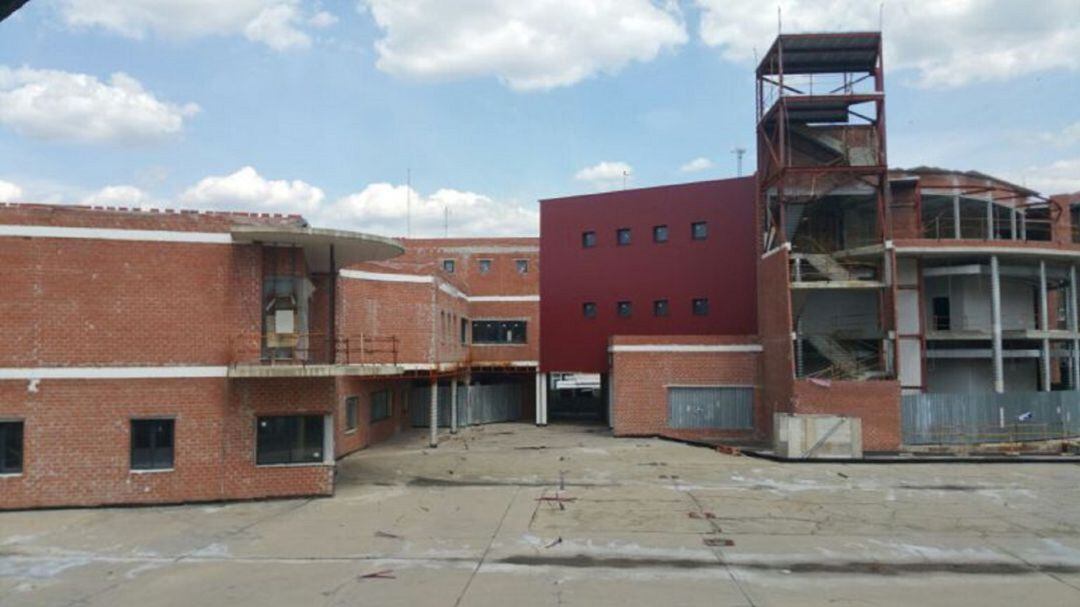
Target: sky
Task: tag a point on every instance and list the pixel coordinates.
(464, 113)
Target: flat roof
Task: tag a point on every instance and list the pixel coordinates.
(348, 247)
(822, 53)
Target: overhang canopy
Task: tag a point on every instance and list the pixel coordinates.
(828, 53)
(349, 247)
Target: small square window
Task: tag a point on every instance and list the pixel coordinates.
(485, 266)
(152, 444)
(588, 309)
(624, 309)
(448, 266)
(622, 236)
(699, 230)
(352, 412)
(522, 266)
(660, 307)
(701, 307)
(588, 239)
(659, 234)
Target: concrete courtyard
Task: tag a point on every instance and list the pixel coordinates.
(482, 520)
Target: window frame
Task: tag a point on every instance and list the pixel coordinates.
(484, 265)
(661, 308)
(694, 309)
(588, 239)
(693, 230)
(153, 424)
(449, 266)
(629, 306)
(6, 434)
(500, 330)
(303, 418)
(376, 415)
(521, 266)
(619, 237)
(656, 231)
(352, 414)
(589, 309)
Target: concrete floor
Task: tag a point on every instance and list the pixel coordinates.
(644, 522)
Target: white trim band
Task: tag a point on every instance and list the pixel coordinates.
(685, 348)
(503, 298)
(385, 276)
(31, 373)
(30, 231)
(445, 287)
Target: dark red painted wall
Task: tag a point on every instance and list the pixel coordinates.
(721, 268)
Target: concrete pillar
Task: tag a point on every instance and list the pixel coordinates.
(1044, 325)
(956, 216)
(989, 220)
(453, 406)
(1012, 224)
(1071, 308)
(995, 316)
(433, 419)
(541, 399)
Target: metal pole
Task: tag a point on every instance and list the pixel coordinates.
(1071, 307)
(956, 217)
(995, 313)
(539, 413)
(989, 219)
(543, 398)
(453, 406)
(433, 418)
(1044, 325)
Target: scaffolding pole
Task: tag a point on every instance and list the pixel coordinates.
(1044, 325)
(995, 313)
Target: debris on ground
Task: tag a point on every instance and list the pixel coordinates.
(717, 541)
(555, 542)
(385, 574)
(700, 515)
(388, 535)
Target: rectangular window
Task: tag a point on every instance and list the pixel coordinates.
(522, 266)
(448, 266)
(699, 230)
(701, 307)
(152, 444)
(11, 447)
(660, 307)
(588, 239)
(588, 309)
(464, 330)
(381, 405)
(942, 315)
(289, 439)
(498, 331)
(485, 266)
(624, 309)
(659, 234)
(622, 236)
(352, 412)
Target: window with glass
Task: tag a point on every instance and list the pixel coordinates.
(448, 266)
(289, 439)
(152, 444)
(622, 236)
(11, 447)
(699, 230)
(660, 234)
(381, 405)
(352, 413)
(700, 307)
(660, 307)
(588, 239)
(624, 309)
(522, 266)
(498, 331)
(485, 266)
(588, 309)
(464, 330)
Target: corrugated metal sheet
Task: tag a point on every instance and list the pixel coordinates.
(975, 418)
(727, 408)
(487, 403)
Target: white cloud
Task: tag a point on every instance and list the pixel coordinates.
(119, 196)
(276, 23)
(246, 190)
(606, 175)
(698, 164)
(1060, 177)
(382, 208)
(57, 105)
(322, 19)
(948, 43)
(9, 192)
(540, 44)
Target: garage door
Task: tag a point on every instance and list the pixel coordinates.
(723, 407)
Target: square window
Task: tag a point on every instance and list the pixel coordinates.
(588, 309)
(624, 309)
(588, 239)
(448, 266)
(485, 266)
(352, 412)
(659, 234)
(699, 230)
(660, 307)
(701, 307)
(289, 439)
(522, 266)
(11, 447)
(622, 236)
(152, 444)
(381, 406)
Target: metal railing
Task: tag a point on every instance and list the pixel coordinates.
(313, 349)
(943, 227)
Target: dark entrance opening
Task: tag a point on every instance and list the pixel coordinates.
(574, 397)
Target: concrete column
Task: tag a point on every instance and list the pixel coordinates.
(1044, 325)
(995, 316)
(1012, 224)
(541, 399)
(956, 216)
(539, 413)
(453, 406)
(1071, 308)
(433, 419)
(1023, 226)
(989, 220)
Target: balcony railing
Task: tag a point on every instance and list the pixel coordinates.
(944, 227)
(313, 349)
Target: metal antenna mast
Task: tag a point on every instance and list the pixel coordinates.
(739, 152)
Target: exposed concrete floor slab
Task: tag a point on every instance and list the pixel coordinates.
(566, 515)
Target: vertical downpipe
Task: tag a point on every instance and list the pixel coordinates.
(434, 412)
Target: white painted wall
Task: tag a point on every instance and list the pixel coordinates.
(969, 301)
(977, 375)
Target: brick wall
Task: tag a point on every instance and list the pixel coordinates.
(368, 433)
(774, 317)
(641, 380)
(876, 403)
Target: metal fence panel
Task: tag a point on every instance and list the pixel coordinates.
(727, 408)
(479, 404)
(976, 418)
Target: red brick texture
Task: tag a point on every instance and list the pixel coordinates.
(876, 403)
(368, 433)
(774, 322)
(641, 380)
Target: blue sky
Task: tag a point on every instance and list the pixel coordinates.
(322, 107)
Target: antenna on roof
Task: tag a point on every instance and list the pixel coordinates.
(779, 21)
(739, 152)
(408, 202)
(625, 174)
